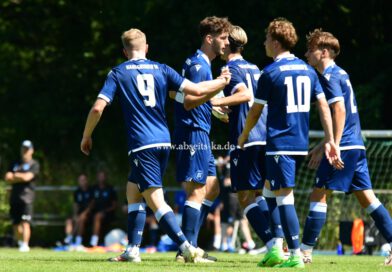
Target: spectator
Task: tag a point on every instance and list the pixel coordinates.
(21, 176)
(81, 211)
(103, 205)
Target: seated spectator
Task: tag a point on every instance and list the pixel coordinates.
(103, 206)
(81, 212)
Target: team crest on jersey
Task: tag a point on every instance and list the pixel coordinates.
(199, 174)
(272, 182)
(235, 161)
(136, 162)
(327, 76)
(276, 158)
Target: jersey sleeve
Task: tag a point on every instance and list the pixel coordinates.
(109, 88)
(317, 92)
(174, 80)
(332, 88)
(264, 88)
(34, 168)
(235, 82)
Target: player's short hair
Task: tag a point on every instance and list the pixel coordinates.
(319, 39)
(214, 26)
(283, 31)
(237, 39)
(133, 39)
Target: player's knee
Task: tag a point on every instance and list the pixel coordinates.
(245, 199)
(319, 195)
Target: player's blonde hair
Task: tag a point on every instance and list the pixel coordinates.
(319, 39)
(214, 26)
(133, 39)
(283, 31)
(237, 39)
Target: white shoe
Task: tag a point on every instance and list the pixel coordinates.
(127, 256)
(388, 259)
(195, 255)
(307, 256)
(24, 248)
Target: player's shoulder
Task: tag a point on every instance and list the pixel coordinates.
(242, 64)
(335, 73)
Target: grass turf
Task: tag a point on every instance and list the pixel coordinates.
(42, 260)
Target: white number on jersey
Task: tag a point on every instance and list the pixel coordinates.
(146, 87)
(250, 87)
(353, 107)
(302, 91)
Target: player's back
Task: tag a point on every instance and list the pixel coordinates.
(289, 86)
(244, 72)
(337, 86)
(142, 86)
(197, 69)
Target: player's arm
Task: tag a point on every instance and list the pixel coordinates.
(251, 120)
(241, 95)
(199, 93)
(18, 177)
(92, 120)
(338, 120)
(331, 150)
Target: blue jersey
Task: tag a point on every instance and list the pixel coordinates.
(142, 86)
(337, 87)
(197, 68)
(246, 74)
(289, 86)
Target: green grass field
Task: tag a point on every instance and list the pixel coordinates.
(43, 260)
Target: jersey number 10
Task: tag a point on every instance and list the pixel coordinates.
(302, 91)
(146, 87)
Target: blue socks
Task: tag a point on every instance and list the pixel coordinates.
(289, 219)
(191, 221)
(258, 221)
(136, 221)
(314, 223)
(204, 210)
(276, 225)
(168, 223)
(381, 218)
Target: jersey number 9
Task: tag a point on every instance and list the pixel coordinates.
(146, 87)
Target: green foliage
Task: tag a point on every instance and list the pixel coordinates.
(4, 209)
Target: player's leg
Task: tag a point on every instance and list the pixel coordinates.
(217, 227)
(68, 231)
(274, 216)
(27, 211)
(97, 225)
(281, 175)
(315, 221)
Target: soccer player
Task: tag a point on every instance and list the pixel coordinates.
(142, 86)
(247, 167)
(323, 48)
(195, 165)
(288, 85)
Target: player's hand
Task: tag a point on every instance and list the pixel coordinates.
(332, 152)
(9, 176)
(242, 139)
(225, 74)
(315, 155)
(86, 145)
(221, 113)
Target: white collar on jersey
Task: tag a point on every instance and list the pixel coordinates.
(236, 58)
(137, 59)
(331, 63)
(204, 56)
(284, 56)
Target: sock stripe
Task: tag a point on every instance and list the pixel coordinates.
(285, 200)
(162, 211)
(249, 207)
(136, 207)
(193, 204)
(259, 198)
(318, 207)
(268, 193)
(373, 206)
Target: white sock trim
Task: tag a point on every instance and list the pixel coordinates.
(285, 200)
(193, 204)
(136, 207)
(162, 211)
(373, 206)
(184, 245)
(260, 198)
(207, 202)
(249, 207)
(318, 207)
(268, 193)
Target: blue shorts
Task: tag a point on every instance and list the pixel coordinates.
(247, 168)
(194, 158)
(353, 177)
(148, 167)
(282, 170)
